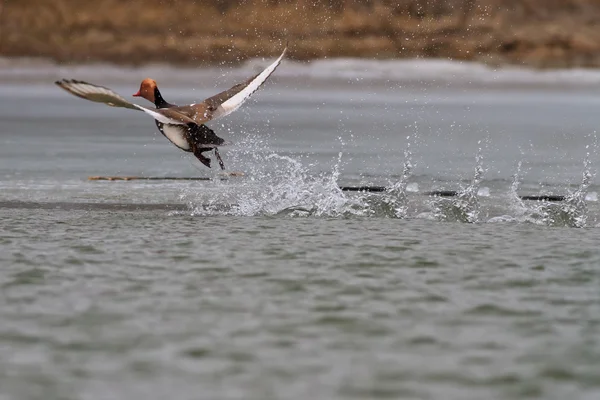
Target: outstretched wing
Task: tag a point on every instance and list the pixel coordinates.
(96, 93)
(101, 94)
(230, 100)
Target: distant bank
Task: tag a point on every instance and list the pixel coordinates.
(537, 33)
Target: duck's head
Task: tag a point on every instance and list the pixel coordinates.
(147, 90)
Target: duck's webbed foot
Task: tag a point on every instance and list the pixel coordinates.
(219, 159)
(204, 160)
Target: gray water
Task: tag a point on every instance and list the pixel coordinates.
(277, 285)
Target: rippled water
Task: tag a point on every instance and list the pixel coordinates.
(276, 284)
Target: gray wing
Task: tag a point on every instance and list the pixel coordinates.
(96, 93)
(100, 94)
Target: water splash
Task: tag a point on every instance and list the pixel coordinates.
(515, 201)
(575, 206)
(468, 198)
(465, 206)
(571, 212)
(279, 185)
(516, 205)
(284, 185)
(395, 196)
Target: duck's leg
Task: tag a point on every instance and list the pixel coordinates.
(219, 159)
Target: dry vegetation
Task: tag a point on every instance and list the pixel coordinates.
(542, 33)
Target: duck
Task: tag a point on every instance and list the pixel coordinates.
(184, 126)
(199, 136)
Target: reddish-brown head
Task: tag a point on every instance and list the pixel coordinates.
(147, 89)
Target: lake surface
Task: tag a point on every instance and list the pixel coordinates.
(276, 284)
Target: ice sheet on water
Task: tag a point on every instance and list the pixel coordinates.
(346, 69)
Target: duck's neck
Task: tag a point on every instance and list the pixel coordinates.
(159, 102)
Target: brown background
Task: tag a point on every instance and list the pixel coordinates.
(539, 33)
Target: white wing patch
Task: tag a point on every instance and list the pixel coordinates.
(176, 134)
(159, 117)
(237, 100)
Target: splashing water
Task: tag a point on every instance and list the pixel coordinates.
(515, 201)
(469, 196)
(395, 196)
(575, 207)
(282, 185)
(514, 186)
(516, 204)
(288, 189)
(465, 206)
(572, 211)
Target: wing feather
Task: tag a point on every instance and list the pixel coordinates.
(101, 94)
(230, 100)
(98, 94)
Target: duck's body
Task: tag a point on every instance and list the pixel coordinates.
(197, 136)
(182, 125)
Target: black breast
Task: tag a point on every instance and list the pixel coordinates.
(202, 135)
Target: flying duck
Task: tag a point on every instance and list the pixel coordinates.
(182, 125)
(199, 135)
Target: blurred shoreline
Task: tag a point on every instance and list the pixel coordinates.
(532, 33)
